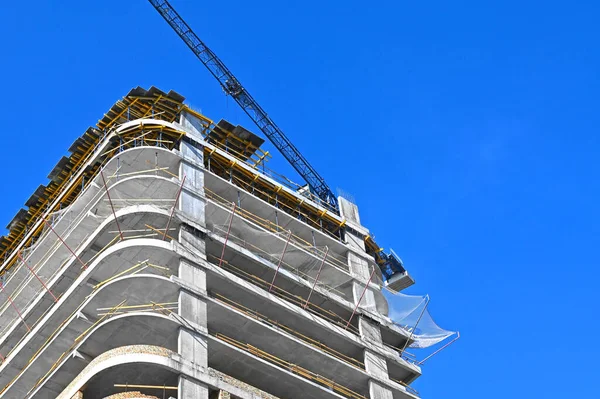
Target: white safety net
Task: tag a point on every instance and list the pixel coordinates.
(412, 314)
(281, 247)
(66, 229)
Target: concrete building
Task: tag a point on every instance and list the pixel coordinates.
(164, 259)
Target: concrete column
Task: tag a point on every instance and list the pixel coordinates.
(369, 331)
(378, 391)
(192, 241)
(192, 125)
(368, 297)
(190, 389)
(191, 201)
(192, 307)
(349, 210)
(358, 265)
(375, 364)
(192, 274)
(192, 346)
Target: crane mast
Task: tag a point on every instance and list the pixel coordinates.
(232, 86)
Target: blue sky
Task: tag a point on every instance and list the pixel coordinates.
(466, 132)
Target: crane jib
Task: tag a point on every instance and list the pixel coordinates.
(234, 88)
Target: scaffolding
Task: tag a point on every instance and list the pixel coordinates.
(73, 174)
(66, 231)
(170, 308)
(302, 372)
(88, 191)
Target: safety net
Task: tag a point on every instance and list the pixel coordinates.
(411, 312)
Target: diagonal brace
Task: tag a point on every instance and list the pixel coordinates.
(65, 244)
(15, 307)
(317, 278)
(111, 204)
(36, 276)
(361, 297)
(280, 260)
(227, 236)
(174, 206)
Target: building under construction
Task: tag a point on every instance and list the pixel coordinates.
(165, 259)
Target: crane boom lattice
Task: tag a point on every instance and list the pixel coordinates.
(234, 88)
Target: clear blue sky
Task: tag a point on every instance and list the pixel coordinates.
(467, 133)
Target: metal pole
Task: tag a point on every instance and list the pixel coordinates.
(317, 278)
(227, 236)
(442, 348)
(361, 297)
(15, 307)
(111, 205)
(127, 386)
(36, 276)
(174, 206)
(280, 260)
(415, 327)
(65, 244)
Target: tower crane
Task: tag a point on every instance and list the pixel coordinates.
(232, 86)
(390, 264)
